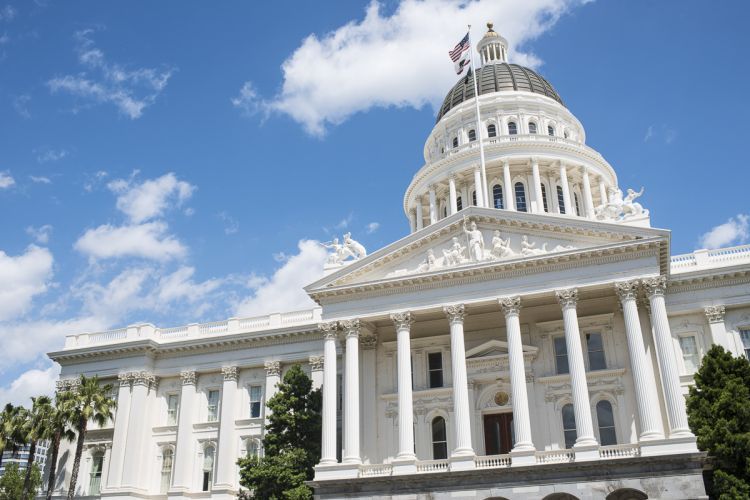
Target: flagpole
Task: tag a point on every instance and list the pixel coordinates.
(483, 187)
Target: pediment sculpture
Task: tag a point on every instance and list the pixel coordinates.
(618, 207)
(350, 250)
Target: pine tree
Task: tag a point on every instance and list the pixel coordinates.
(291, 443)
(719, 415)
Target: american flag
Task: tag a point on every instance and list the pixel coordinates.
(460, 55)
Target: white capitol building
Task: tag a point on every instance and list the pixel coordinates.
(531, 338)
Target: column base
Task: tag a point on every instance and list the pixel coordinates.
(669, 446)
(651, 436)
(336, 471)
(523, 456)
(586, 452)
(405, 465)
(462, 462)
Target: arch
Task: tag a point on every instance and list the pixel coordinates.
(605, 420)
(560, 200)
(560, 496)
(472, 135)
(497, 196)
(95, 476)
(491, 130)
(626, 494)
(532, 127)
(207, 467)
(512, 128)
(439, 433)
(570, 433)
(520, 191)
(253, 448)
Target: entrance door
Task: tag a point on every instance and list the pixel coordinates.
(498, 433)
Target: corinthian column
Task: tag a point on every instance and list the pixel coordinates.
(719, 335)
(645, 392)
(521, 421)
(183, 457)
(351, 399)
(453, 202)
(135, 444)
(462, 425)
(328, 440)
(568, 300)
(117, 457)
(670, 379)
(227, 452)
(403, 323)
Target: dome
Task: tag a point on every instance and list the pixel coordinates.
(497, 78)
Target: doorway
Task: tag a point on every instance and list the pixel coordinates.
(498, 433)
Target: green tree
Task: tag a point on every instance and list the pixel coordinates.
(58, 428)
(7, 421)
(12, 483)
(719, 415)
(291, 443)
(91, 402)
(35, 428)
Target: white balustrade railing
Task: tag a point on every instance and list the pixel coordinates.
(108, 336)
(555, 456)
(511, 139)
(211, 328)
(620, 451)
(492, 461)
(432, 465)
(176, 332)
(255, 323)
(707, 259)
(373, 470)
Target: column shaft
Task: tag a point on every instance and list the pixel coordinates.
(328, 441)
(351, 401)
(420, 216)
(135, 441)
(119, 436)
(537, 186)
(453, 203)
(478, 187)
(183, 457)
(405, 407)
(433, 206)
(603, 191)
(227, 452)
(569, 208)
(510, 194)
(462, 424)
(588, 200)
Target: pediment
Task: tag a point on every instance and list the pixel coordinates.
(495, 347)
(500, 239)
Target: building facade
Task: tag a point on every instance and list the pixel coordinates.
(532, 337)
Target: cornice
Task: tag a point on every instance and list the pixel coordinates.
(710, 278)
(590, 375)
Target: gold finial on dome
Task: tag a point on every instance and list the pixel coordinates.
(490, 31)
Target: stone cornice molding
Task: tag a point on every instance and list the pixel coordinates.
(316, 363)
(188, 377)
(510, 305)
(627, 290)
(568, 297)
(655, 286)
(273, 368)
(455, 313)
(231, 373)
(714, 314)
(402, 320)
(67, 384)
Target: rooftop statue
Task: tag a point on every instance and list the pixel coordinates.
(617, 207)
(342, 252)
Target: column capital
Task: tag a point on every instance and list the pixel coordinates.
(273, 368)
(69, 384)
(144, 378)
(231, 373)
(627, 290)
(188, 377)
(455, 312)
(368, 341)
(123, 379)
(567, 297)
(316, 363)
(351, 327)
(714, 314)
(328, 329)
(510, 305)
(534, 160)
(655, 286)
(402, 320)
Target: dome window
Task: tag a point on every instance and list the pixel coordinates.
(577, 205)
(566, 134)
(455, 142)
(497, 196)
(550, 130)
(472, 135)
(520, 197)
(560, 200)
(459, 203)
(474, 198)
(491, 130)
(544, 198)
(532, 128)
(512, 128)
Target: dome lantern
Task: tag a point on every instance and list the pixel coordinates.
(492, 47)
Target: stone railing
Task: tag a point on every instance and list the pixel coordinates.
(555, 456)
(432, 466)
(708, 259)
(620, 451)
(492, 461)
(227, 327)
(374, 470)
(489, 142)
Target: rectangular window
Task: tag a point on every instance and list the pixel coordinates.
(690, 355)
(561, 356)
(745, 336)
(213, 406)
(435, 368)
(255, 401)
(173, 403)
(595, 348)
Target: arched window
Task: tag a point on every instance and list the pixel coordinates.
(439, 439)
(520, 197)
(167, 459)
(455, 142)
(444, 211)
(474, 198)
(577, 205)
(209, 453)
(566, 134)
(497, 196)
(544, 198)
(491, 130)
(627, 494)
(512, 129)
(550, 130)
(605, 417)
(532, 128)
(95, 479)
(560, 199)
(253, 448)
(459, 203)
(472, 135)
(569, 425)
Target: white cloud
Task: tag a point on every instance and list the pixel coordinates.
(151, 198)
(372, 227)
(663, 132)
(130, 90)
(48, 155)
(180, 286)
(733, 232)
(283, 290)
(33, 382)
(149, 241)
(20, 104)
(247, 100)
(21, 279)
(231, 225)
(7, 13)
(395, 60)
(6, 180)
(40, 179)
(40, 234)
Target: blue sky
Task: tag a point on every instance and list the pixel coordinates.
(173, 162)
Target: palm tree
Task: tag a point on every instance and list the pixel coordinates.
(91, 402)
(58, 428)
(18, 427)
(6, 428)
(37, 422)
